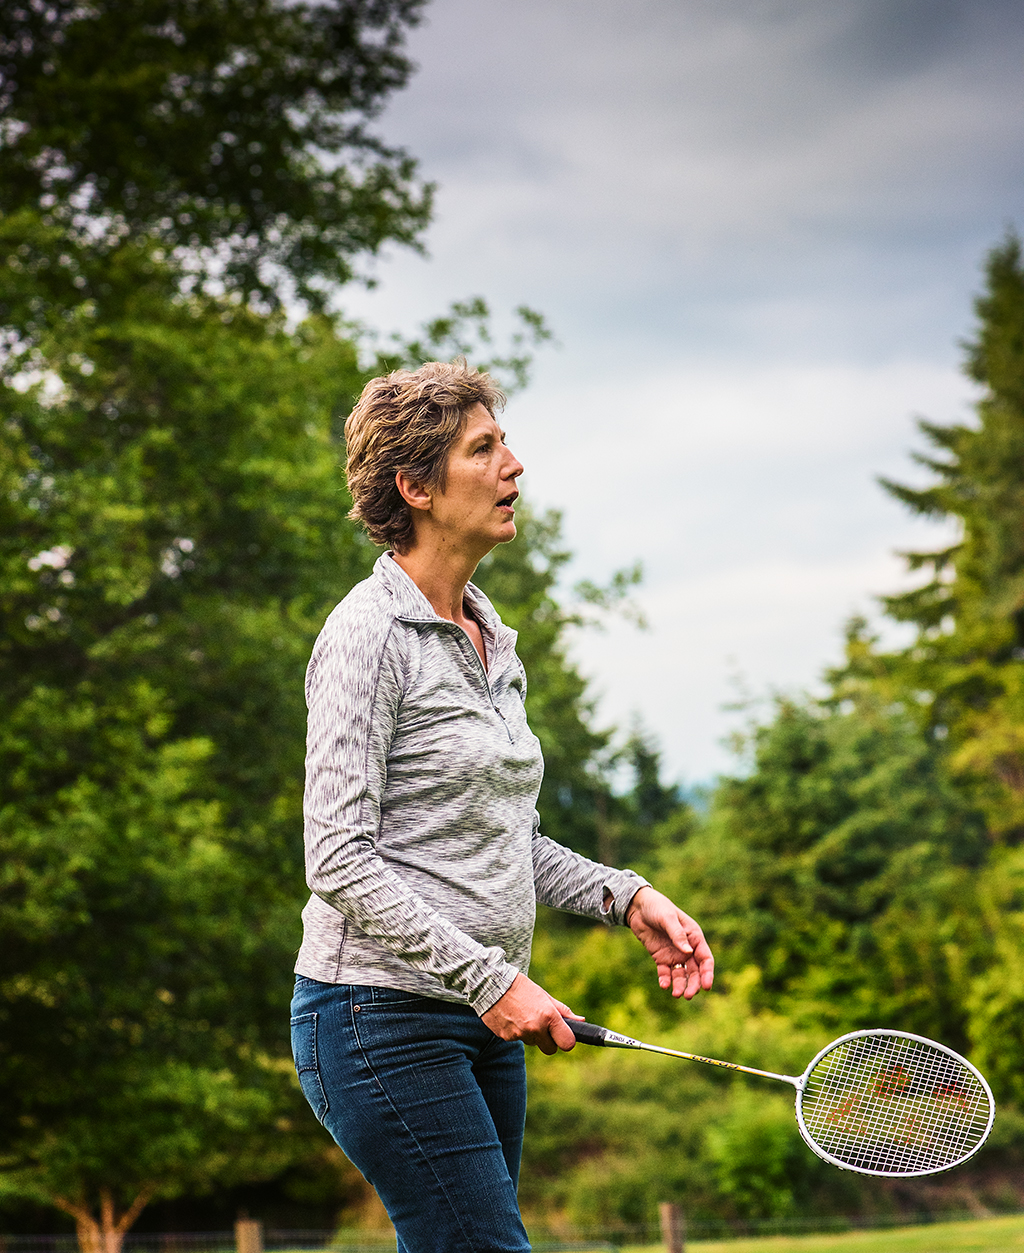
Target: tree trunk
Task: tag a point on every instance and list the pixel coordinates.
(105, 1234)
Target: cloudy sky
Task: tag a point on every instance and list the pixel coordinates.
(757, 227)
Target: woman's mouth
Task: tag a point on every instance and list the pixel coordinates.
(509, 501)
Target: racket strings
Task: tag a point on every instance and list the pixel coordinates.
(892, 1105)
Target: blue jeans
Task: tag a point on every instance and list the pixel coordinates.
(427, 1102)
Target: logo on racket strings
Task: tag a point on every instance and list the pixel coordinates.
(889, 1081)
(952, 1093)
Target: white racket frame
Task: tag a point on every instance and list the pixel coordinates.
(800, 1083)
(614, 1039)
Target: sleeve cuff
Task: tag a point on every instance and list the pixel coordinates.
(623, 886)
(492, 989)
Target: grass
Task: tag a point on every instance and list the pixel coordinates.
(985, 1235)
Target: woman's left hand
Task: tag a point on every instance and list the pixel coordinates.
(674, 940)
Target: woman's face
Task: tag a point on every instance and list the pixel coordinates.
(476, 508)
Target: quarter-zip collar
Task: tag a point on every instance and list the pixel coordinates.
(410, 605)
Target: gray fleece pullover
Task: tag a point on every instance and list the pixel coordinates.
(422, 845)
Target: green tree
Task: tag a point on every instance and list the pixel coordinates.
(962, 678)
(862, 867)
(841, 865)
(995, 997)
(171, 538)
(232, 133)
(859, 841)
(964, 672)
(758, 1157)
(172, 530)
(654, 817)
(134, 1063)
(173, 533)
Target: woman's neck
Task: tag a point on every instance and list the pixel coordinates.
(441, 577)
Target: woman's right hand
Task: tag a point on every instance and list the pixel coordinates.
(526, 1012)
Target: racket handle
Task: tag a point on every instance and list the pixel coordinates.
(591, 1033)
(587, 1032)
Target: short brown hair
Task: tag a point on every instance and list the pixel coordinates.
(408, 421)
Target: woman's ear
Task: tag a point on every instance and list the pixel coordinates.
(414, 493)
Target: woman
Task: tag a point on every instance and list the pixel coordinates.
(412, 1002)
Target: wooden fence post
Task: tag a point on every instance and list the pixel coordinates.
(673, 1227)
(248, 1236)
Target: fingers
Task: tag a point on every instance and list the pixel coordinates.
(566, 1012)
(561, 1034)
(675, 941)
(705, 963)
(557, 1035)
(681, 978)
(698, 973)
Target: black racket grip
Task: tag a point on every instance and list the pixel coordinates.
(588, 1032)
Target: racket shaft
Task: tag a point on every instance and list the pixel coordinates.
(591, 1033)
(713, 1061)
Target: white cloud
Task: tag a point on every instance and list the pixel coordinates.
(773, 625)
(751, 498)
(694, 466)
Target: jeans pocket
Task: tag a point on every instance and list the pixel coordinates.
(306, 1067)
(386, 997)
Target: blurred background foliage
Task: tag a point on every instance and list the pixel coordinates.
(173, 531)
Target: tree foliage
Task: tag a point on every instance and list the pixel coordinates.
(173, 531)
(966, 665)
(234, 133)
(838, 866)
(133, 980)
(854, 862)
(173, 537)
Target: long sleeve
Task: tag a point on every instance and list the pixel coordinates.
(354, 693)
(568, 881)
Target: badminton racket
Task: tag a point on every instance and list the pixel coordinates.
(877, 1102)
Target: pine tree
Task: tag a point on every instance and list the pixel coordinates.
(838, 864)
(964, 672)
